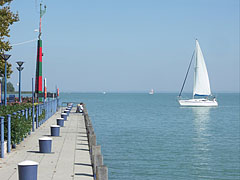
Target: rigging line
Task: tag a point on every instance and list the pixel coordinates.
(186, 74)
(25, 42)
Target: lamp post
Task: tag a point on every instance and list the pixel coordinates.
(19, 68)
(5, 57)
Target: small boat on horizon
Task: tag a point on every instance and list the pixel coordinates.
(202, 96)
(151, 92)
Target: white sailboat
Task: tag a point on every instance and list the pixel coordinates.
(151, 92)
(201, 90)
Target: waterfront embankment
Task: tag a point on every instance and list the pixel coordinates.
(71, 156)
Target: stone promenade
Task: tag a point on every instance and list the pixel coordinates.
(70, 158)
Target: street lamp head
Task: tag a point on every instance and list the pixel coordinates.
(20, 68)
(5, 56)
(20, 63)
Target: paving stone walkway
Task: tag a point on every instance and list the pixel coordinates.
(70, 158)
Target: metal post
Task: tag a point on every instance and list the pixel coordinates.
(29, 111)
(49, 110)
(5, 85)
(26, 113)
(19, 87)
(9, 134)
(33, 113)
(33, 107)
(14, 145)
(5, 57)
(46, 110)
(1, 92)
(40, 109)
(54, 105)
(22, 112)
(19, 68)
(51, 107)
(37, 116)
(2, 136)
(32, 92)
(48, 104)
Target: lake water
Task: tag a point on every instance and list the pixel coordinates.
(149, 137)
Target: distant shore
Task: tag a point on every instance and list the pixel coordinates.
(22, 92)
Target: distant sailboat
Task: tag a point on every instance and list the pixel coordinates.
(151, 91)
(201, 83)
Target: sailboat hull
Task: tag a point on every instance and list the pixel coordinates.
(198, 103)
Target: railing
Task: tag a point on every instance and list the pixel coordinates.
(16, 126)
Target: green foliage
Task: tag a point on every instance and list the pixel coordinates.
(7, 18)
(20, 126)
(2, 68)
(10, 87)
(5, 110)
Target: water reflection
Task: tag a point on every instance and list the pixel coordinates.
(201, 139)
(201, 120)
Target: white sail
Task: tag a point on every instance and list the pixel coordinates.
(151, 91)
(201, 80)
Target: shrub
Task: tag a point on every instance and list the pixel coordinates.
(20, 125)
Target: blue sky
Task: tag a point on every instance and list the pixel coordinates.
(128, 45)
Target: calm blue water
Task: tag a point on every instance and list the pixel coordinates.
(149, 137)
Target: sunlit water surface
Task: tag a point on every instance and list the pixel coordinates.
(149, 137)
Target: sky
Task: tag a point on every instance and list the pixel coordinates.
(127, 45)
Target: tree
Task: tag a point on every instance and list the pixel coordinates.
(7, 18)
(10, 87)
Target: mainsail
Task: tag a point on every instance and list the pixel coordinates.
(201, 80)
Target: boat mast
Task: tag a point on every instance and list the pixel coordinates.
(186, 74)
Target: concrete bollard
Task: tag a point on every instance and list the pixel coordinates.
(102, 172)
(69, 108)
(27, 170)
(45, 145)
(97, 161)
(67, 112)
(60, 122)
(64, 116)
(55, 130)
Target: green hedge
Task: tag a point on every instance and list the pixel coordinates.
(20, 126)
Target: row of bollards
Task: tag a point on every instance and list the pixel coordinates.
(32, 115)
(100, 171)
(27, 170)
